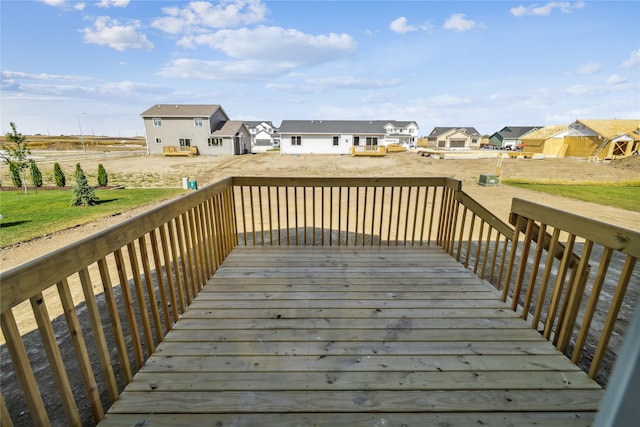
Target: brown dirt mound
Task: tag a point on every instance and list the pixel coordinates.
(631, 163)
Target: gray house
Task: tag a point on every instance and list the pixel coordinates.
(181, 127)
(338, 136)
(509, 136)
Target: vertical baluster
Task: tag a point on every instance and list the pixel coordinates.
(364, 215)
(512, 256)
(391, 205)
(537, 256)
(348, 207)
(373, 214)
(25, 374)
(128, 305)
(244, 214)
(485, 256)
(313, 209)
(116, 325)
(382, 215)
(433, 210)
(479, 248)
(522, 267)
(304, 214)
(401, 190)
(331, 216)
(546, 276)
(461, 233)
(142, 309)
(260, 209)
(270, 207)
(151, 294)
(5, 419)
(424, 214)
(558, 286)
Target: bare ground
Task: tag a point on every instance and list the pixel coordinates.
(135, 169)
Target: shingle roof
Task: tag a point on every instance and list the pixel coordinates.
(514, 132)
(613, 128)
(229, 128)
(546, 132)
(439, 130)
(254, 123)
(338, 126)
(181, 110)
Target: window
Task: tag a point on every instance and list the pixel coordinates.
(336, 140)
(184, 142)
(214, 142)
(296, 140)
(197, 122)
(158, 140)
(372, 141)
(157, 122)
(356, 140)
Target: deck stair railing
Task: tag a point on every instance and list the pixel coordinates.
(100, 307)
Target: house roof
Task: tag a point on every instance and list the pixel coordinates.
(339, 126)
(254, 123)
(612, 128)
(182, 110)
(229, 128)
(545, 132)
(437, 131)
(514, 132)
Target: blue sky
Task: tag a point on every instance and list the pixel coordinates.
(99, 64)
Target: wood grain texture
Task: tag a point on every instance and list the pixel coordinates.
(353, 336)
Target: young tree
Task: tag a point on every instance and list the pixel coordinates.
(15, 175)
(103, 179)
(58, 175)
(83, 194)
(36, 175)
(17, 152)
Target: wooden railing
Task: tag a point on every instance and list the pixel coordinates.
(130, 284)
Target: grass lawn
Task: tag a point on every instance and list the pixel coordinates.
(619, 195)
(26, 216)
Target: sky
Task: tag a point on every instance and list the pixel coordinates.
(92, 67)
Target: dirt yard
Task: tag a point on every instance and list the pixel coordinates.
(136, 169)
(131, 170)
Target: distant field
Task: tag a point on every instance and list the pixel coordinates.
(74, 142)
(624, 195)
(27, 216)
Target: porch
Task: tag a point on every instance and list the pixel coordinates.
(340, 301)
(353, 336)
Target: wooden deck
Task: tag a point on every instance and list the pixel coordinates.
(372, 336)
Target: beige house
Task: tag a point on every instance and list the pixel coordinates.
(185, 126)
(453, 138)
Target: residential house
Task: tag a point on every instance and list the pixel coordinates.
(264, 135)
(206, 127)
(604, 139)
(338, 136)
(509, 137)
(454, 138)
(548, 140)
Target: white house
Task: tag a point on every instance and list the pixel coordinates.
(264, 135)
(338, 136)
(206, 127)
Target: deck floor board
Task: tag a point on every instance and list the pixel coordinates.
(388, 335)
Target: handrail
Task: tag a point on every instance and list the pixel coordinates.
(141, 275)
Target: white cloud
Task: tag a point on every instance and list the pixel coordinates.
(276, 44)
(109, 32)
(219, 70)
(400, 26)
(547, 9)
(53, 2)
(65, 4)
(323, 84)
(634, 59)
(616, 79)
(447, 100)
(113, 3)
(589, 68)
(458, 22)
(200, 15)
(41, 76)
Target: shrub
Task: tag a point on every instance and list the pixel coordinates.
(15, 172)
(58, 175)
(36, 175)
(103, 179)
(83, 194)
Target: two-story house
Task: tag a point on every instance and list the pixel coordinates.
(338, 136)
(206, 127)
(264, 135)
(454, 138)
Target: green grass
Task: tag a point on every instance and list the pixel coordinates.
(624, 195)
(27, 216)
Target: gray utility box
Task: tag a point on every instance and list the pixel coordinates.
(488, 179)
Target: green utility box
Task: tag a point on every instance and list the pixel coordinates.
(193, 185)
(488, 179)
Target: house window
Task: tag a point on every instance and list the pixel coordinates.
(158, 140)
(184, 142)
(197, 122)
(296, 140)
(356, 140)
(336, 140)
(372, 141)
(157, 122)
(214, 142)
